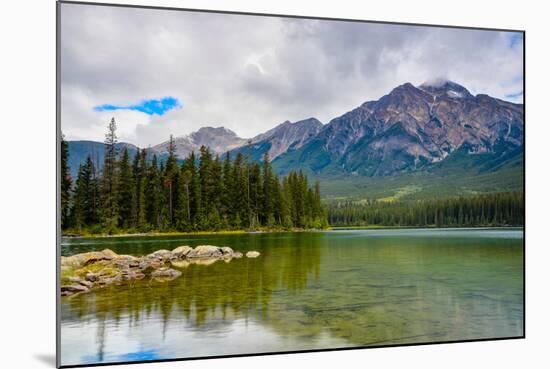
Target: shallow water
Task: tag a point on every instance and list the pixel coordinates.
(306, 291)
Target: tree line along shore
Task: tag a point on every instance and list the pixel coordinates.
(500, 209)
(203, 193)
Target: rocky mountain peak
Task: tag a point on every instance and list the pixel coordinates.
(214, 131)
(446, 87)
(218, 139)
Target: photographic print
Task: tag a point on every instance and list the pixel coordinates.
(242, 184)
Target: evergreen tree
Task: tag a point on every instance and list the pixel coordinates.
(126, 193)
(255, 193)
(194, 183)
(238, 192)
(268, 190)
(207, 180)
(92, 202)
(140, 178)
(66, 183)
(80, 197)
(183, 214)
(171, 182)
(226, 199)
(109, 183)
(153, 194)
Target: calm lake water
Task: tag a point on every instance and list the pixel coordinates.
(306, 291)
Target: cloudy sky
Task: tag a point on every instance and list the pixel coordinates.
(170, 72)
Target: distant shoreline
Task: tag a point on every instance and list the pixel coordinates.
(197, 233)
(343, 228)
(236, 232)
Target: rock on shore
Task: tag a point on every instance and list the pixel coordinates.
(83, 272)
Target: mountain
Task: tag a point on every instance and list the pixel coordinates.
(285, 137)
(80, 150)
(219, 140)
(410, 129)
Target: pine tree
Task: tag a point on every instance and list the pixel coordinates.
(268, 190)
(194, 183)
(140, 176)
(238, 191)
(207, 181)
(80, 197)
(92, 202)
(218, 187)
(109, 183)
(171, 183)
(183, 214)
(66, 183)
(153, 193)
(226, 199)
(126, 193)
(255, 193)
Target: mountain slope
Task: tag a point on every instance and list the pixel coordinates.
(410, 129)
(285, 137)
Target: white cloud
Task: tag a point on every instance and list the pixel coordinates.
(249, 73)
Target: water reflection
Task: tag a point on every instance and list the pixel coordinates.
(306, 291)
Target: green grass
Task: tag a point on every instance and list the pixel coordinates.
(460, 178)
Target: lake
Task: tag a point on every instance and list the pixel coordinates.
(310, 290)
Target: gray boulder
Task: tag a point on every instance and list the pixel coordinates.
(160, 255)
(205, 251)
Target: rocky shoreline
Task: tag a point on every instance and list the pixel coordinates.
(81, 273)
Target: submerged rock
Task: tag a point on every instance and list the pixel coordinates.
(252, 254)
(165, 274)
(72, 289)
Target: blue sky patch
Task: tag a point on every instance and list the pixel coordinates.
(515, 39)
(514, 95)
(149, 107)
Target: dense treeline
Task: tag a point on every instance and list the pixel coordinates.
(494, 209)
(204, 193)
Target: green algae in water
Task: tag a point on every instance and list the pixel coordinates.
(305, 291)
